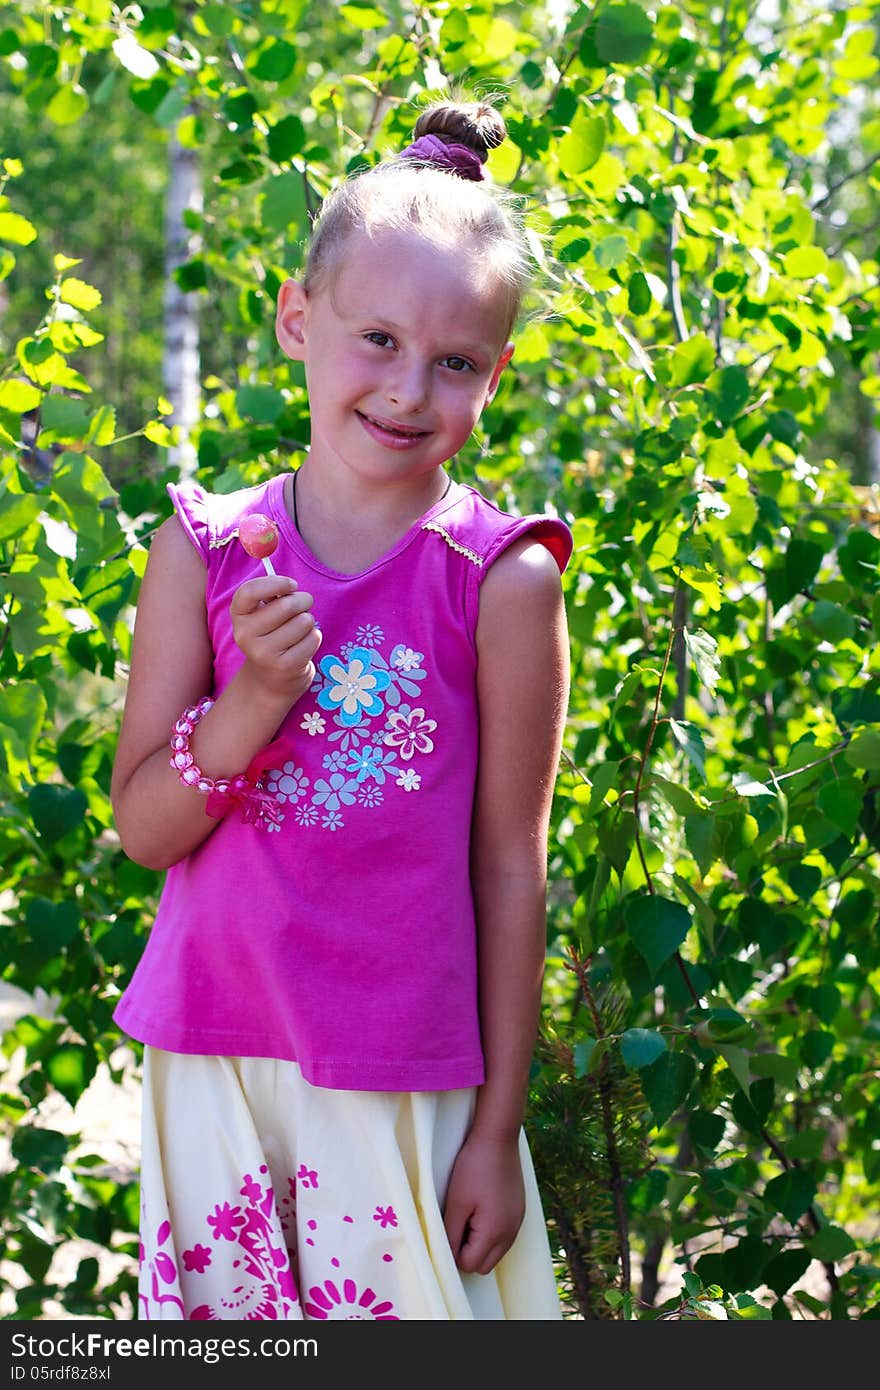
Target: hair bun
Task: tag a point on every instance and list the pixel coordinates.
(474, 124)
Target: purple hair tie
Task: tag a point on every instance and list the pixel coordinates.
(457, 158)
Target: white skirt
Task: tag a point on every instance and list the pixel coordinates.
(263, 1197)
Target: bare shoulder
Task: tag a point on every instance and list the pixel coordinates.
(172, 548)
(524, 583)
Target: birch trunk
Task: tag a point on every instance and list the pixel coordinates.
(180, 368)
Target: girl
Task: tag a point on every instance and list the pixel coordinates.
(339, 996)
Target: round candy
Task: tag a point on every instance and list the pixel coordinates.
(258, 535)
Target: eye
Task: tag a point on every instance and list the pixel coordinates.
(379, 338)
(458, 364)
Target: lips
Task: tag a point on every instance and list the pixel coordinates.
(391, 432)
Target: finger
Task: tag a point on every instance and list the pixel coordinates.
(301, 650)
(496, 1252)
(253, 592)
(287, 637)
(455, 1220)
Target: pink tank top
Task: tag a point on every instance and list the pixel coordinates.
(343, 938)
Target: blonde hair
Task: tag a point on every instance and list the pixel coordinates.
(414, 195)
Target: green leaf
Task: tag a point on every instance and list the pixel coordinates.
(285, 139)
(774, 1064)
(833, 623)
(17, 229)
(831, 1243)
(364, 16)
(791, 1194)
(218, 19)
(731, 391)
(274, 62)
(284, 204)
(641, 1046)
(56, 810)
(102, 426)
(604, 777)
(81, 482)
(816, 1047)
(67, 105)
(666, 1083)
(19, 396)
(584, 1055)
(804, 262)
(841, 801)
(611, 252)
(261, 403)
(785, 1269)
(582, 145)
(107, 587)
(70, 1069)
(23, 710)
(706, 1129)
(825, 1001)
(690, 740)
(723, 1025)
(78, 294)
(692, 361)
(43, 1149)
(17, 511)
(63, 418)
(856, 705)
(864, 751)
(737, 1060)
(657, 927)
(623, 34)
(639, 296)
(52, 925)
(703, 650)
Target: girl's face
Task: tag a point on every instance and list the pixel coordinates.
(403, 347)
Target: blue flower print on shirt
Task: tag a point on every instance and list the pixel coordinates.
(351, 687)
(367, 719)
(340, 790)
(334, 761)
(372, 762)
(370, 794)
(287, 783)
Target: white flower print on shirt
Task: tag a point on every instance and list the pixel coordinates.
(405, 659)
(372, 732)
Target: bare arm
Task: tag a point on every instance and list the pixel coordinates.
(522, 687)
(159, 821)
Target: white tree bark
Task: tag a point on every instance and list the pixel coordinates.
(180, 368)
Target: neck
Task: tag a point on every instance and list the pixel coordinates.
(350, 523)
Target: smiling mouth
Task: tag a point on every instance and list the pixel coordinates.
(391, 427)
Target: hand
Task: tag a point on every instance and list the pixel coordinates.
(273, 626)
(485, 1202)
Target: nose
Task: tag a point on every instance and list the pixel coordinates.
(408, 386)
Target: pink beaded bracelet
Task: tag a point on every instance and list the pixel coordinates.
(224, 794)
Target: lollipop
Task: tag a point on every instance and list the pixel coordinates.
(259, 537)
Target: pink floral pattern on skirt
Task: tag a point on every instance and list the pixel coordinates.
(248, 1266)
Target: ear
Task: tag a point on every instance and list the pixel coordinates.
(290, 319)
(499, 368)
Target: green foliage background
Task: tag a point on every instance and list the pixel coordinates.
(693, 390)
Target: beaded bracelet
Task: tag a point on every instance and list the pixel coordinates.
(224, 794)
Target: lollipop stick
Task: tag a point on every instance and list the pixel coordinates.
(268, 566)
